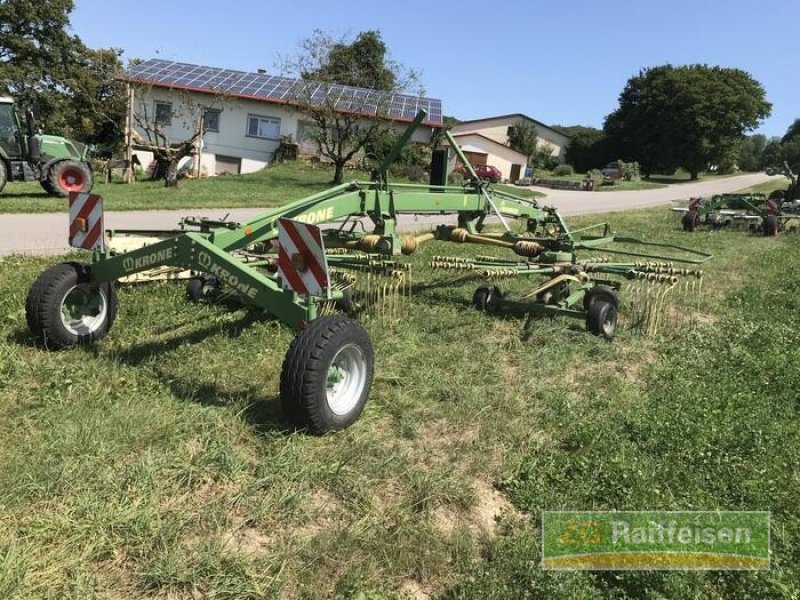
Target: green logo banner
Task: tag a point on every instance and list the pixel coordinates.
(662, 540)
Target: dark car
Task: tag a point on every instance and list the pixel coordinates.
(612, 173)
(488, 173)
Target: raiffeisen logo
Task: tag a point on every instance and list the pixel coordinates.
(655, 540)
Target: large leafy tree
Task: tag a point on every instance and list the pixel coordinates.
(343, 123)
(43, 65)
(688, 116)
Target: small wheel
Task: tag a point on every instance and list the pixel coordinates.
(487, 298)
(199, 289)
(689, 221)
(602, 319)
(68, 176)
(600, 292)
(64, 309)
(771, 225)
(327, 374)
(3, 175)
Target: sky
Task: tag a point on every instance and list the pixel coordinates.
(561, 63)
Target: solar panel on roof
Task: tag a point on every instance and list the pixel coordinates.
(270, 87)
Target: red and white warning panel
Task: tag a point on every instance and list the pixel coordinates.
(86, 221)
(302, 265)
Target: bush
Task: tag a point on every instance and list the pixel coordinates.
(414, 173)
(563, 170)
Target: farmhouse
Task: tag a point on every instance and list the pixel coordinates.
(488, 138)
(246, 116)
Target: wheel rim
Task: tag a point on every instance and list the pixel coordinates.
(347, 377)
(71, 179)
(610, 322)
(83, 311)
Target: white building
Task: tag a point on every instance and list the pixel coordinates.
(480, 132)
(246, 114)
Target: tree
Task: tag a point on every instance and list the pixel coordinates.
(523, 137)
(186, 114)
(792, 132)
(588, 148)
(70, 86)
(751, 153)
(690, 116)
(345, 120)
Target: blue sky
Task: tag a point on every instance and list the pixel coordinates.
(558, 62)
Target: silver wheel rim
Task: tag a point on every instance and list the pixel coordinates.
(83, 310)
(347, 377)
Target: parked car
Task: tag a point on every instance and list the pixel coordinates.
(488, 173)
(612, 173)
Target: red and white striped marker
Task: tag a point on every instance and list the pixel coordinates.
(86, 221)
(302, 265)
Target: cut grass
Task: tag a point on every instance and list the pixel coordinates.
(159, 464)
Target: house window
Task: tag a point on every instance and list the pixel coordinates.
(163, 113)
(267, 128)
(307, 131)
(211, 119)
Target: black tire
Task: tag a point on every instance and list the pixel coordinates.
(307, 376)
(68, 176)
(200, 289)
(771, 225)
(600, 292)
(48, 188)
(49, 297)
(689, 221)
(487, 298)
(3, 175)
(602, 319)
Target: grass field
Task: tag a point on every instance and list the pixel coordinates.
(158, 464)
(273, 186)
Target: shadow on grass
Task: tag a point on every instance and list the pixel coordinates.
(30, 196)
(262, 413)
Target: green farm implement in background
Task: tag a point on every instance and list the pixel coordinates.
(284, 264)
(60, 165)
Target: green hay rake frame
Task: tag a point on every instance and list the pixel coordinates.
(329, 366)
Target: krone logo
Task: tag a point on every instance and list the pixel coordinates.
(127, 264)
(204, 258)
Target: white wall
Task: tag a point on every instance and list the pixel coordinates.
(232, 139)
(497, 129)
(499, 156)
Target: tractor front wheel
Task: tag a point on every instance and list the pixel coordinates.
(3, 176)
(602, 319)
(327, 374)
(64, 309)
(68, 176)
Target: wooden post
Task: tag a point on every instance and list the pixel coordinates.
(129, 176)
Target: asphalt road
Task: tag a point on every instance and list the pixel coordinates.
(47, 233)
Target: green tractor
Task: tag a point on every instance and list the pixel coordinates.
(60, 165)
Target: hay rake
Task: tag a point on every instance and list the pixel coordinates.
(284, 264)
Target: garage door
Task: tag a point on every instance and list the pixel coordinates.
(228, 164)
